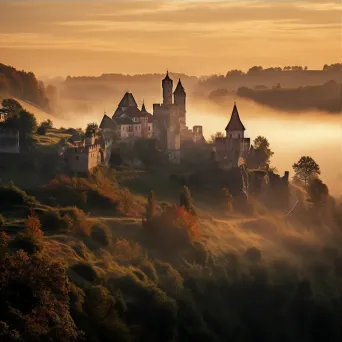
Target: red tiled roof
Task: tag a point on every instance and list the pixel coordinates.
(235, 123)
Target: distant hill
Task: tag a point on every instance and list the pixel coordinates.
(22, 85)
(259, 78)
(109, 86)
(327, 97)
(40, 114)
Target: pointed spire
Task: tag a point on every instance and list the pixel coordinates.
(235, 123)
(143, 108)
(167, 77)
(179, 88)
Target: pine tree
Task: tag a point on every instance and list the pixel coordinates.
(151, 206)
(186, 200)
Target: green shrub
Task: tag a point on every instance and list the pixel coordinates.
(10, 195)
(82, 250)
(41, 130)
(148, 268)
(28, 243)
(86, 271)
(103, 310)
(97, 200)
(101, 234)
(52, 220)
(77, 221)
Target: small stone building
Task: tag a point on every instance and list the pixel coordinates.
(82, 157)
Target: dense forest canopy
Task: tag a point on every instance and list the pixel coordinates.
(23, 85)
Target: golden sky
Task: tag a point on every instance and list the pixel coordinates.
(197, 37)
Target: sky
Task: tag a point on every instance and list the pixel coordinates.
(197, 37)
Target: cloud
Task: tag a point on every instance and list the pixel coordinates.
(218, 33)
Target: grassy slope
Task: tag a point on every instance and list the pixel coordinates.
(40, 114)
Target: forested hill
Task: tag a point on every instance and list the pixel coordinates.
(22, 85)
(325, 97)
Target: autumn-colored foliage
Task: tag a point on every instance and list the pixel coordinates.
(35, 290)
(98, 191)
(33, 225)
(175, 227)
(187, 222)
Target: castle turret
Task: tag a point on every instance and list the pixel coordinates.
(89, 139)
(235, 129)
(167, 85)
(180, 101)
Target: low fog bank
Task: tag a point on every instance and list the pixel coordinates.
(291, 134)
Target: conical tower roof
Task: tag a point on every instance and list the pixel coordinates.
(128, 101)
(235, 123)
(167, 77)
(179, 88)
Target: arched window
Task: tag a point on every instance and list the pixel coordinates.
(239, 136)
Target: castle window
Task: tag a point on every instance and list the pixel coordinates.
(77, 158)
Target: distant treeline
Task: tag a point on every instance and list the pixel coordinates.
(108, 85)
(24, 86)
(325, 97)
(288, 76)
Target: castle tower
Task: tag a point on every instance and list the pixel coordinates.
(235, 129)
(89, 139)
(180, 101)
(167, 85)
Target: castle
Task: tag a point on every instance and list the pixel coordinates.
(167, 124)
(169, 118)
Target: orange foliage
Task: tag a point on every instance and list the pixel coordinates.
(100, 186)
(188, 222)
(125, 251)
(3, 240)
(33, 225)
(175, 227)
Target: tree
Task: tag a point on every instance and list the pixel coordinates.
(235, 73)
(47, 124)
(151, 206)
(318, 192)
(34, 299)
(214, 136)
(27, 122)
(186, 200)
(227, 199)
(41, 130)
(11, 106)
(262, 145)
(92, 127)
(305, 169)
